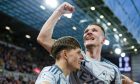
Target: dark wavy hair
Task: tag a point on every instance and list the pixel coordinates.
(64, 43)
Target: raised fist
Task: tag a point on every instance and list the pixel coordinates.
(65, 8)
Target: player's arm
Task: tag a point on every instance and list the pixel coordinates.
(45, 36)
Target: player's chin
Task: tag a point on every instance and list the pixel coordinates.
(89, 43)
(78, 67)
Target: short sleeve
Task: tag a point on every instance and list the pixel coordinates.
(45, 76)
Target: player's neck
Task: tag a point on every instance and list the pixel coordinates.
(94, 52)
(62, 65)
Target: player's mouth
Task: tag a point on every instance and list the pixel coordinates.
(89, 38)
(79, 62)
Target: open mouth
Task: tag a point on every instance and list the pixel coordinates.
(90, 38)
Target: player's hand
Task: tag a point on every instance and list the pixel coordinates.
(65, 8)
(126, 80)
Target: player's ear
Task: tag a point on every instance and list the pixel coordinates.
(65, 54)
(103, 40)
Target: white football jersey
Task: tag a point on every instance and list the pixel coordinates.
(52, 74)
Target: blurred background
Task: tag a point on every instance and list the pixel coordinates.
(22, 58)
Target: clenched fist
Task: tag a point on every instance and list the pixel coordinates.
(65, 8)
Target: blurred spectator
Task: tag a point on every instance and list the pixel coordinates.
(11, 80)
(19, 61)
